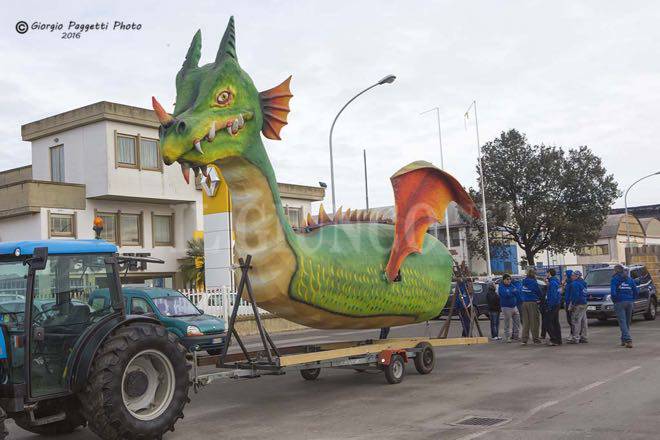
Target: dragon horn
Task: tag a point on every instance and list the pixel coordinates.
(194, 53)
(161, 114)
(337, 217)
(228, 43)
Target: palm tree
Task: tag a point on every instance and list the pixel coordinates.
(192, 267)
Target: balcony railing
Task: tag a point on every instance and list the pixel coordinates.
(30, 196)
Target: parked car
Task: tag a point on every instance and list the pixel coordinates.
(196, 330)
(599, 300)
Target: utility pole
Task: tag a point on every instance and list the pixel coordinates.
(442, 165)
(366, 184)
(483, 188)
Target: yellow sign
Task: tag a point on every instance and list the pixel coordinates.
(215, 192)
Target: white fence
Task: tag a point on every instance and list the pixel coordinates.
(219, 302)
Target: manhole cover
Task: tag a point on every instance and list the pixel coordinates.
(481, 421)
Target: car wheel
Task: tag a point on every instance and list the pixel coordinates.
(652, 310)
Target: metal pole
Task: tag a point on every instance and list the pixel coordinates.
(366, 184)
(625, 204)
(442, 166)
(387, 80)
(483, 188)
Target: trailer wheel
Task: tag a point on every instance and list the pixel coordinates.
(396, 369)
(311, 373)
(425, 359)
(138, 384)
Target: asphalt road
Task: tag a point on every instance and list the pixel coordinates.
(588, 391)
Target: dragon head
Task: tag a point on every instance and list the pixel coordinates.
(218, 111)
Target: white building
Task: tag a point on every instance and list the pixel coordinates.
(103, 160)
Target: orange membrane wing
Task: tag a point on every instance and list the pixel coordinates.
(275, 107)
(421, 195)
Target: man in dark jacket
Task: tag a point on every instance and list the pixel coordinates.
(494, 310)
(577, 293)
(509, 299)
(624, 292)
(551, 309)
(567, 283)
(531, 295)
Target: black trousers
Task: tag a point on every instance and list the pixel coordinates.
(551, 323)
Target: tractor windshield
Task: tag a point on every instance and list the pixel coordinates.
(13, 282)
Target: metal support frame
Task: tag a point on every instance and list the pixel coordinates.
(268, 344)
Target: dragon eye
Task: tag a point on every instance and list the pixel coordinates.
(224, 97)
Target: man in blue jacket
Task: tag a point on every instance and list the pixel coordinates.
(551, 309)
(462, 305)
(577, 293)
(624, 292)
(509, 298)
(531, 296)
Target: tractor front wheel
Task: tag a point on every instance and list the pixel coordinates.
(138, 384)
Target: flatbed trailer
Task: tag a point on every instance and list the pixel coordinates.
(387, 355)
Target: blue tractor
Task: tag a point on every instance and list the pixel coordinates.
(65, 364)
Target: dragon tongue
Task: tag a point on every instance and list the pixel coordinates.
(185, 170)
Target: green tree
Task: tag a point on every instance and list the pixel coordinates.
(192, 267)
(541, 197)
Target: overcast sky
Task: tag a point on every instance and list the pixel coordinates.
(565, 73)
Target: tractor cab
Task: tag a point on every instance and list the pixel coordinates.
(44, 288)
(53, 341)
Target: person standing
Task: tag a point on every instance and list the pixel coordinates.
(624, 292)
(567, 302)
(531, 295)
(578, 297)
(551, 309)
(494, 309)
(509, 297)
(462, 304)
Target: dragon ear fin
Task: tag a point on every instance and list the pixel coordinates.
(422, 193)
(275, 109)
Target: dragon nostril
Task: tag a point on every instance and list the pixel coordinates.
(180, 127)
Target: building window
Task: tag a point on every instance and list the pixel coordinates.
(149, 155)
(126, 151)
(163, 230)
(62, 225)
(294, 215)
(130, 230)
(109, 232)
(595, 250)
(57, 163)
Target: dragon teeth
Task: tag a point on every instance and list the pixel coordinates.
(198, 147)
(204, 170)
(211, 134)
(234, 126)
(229, 130)
(196, 170)
(241, 121)
(185, 170)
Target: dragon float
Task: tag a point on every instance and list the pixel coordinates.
(349, 271)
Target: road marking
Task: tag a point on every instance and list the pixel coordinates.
(550, 403)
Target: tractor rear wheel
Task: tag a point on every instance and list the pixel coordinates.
(138, 384)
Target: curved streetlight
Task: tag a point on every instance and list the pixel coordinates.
(389, 79)
(625, 204)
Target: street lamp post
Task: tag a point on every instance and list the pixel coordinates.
(442, 166)
(366, 183)
(625, 204)
(483, 188)
(389, 79)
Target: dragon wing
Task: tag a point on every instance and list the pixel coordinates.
(421, 195)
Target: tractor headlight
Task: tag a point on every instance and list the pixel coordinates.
(194, 331)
